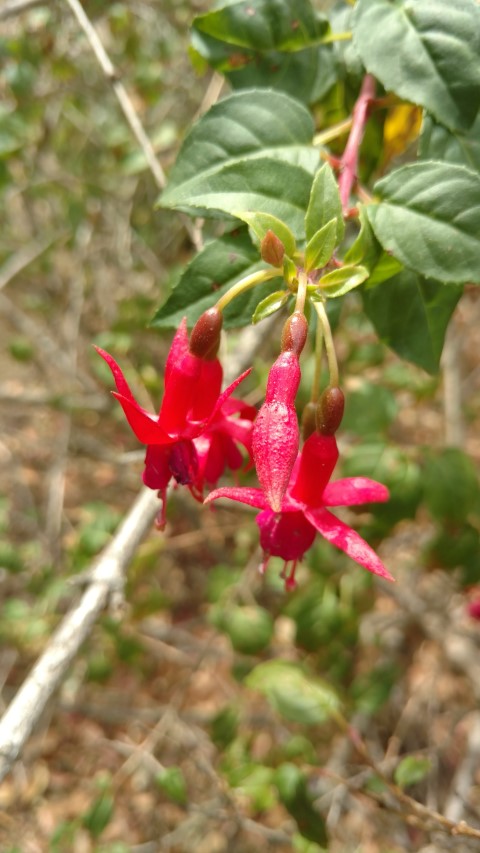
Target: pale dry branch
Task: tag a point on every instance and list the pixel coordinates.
(119, 90)
(107, 581)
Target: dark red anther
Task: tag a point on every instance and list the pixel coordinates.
(205, 337)
(294, 333)
(330, 410)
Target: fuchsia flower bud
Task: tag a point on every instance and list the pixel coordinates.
(193, 410)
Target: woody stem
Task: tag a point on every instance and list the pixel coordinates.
(245, 284)
(329, 345)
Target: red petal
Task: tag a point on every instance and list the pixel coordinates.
(180, 389)
(120, 381)
(145, 426)
(275, 447)
(285, 534)
(207, 390)
(317, 461)
(252, 497)
(221, 400)
(341, 535)
(157, 470)
(354, 490)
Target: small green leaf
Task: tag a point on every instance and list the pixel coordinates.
(172, 781)
(428, 217)
(290, 272)
(250, 629)
(265, 25)
(425, 52)
(367, 251)
(341, 281)
(270, 305)
(260, 223)
(294, 693)
(411, 315)
(219, 265)
(294, 794)
(324, 204)
(411, 770)
(99, 814)
(320, 247)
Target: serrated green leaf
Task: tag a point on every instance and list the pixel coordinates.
(306, 74)
(341, 281)
(212, 272)
(411, 315)
(411, 770)
(247, 124)
(272, 303)
(439, 143)
(265, 25)
(428, 217)
(292, 692)
(425, 52)
(260, 223)
(324, 204)
(320, 247)
(262, 184)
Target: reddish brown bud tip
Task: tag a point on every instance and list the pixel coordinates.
(294, 333)
(309, 424)
(272, 249)
(330, 410)
(205, 337)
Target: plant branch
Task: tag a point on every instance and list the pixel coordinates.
(120, 91)
(349, 161)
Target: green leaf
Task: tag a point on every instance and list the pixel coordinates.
(212, 272)
(247, 124)
(411, 315)
(99, 814)
(306, 74)
(341, 281)
(260, 223)
(265, 25)
(439, 143)
(250, 629)
(295, 694)
(263, 184)
(428, 217)
(367, 251)
(452, 491)
(425, 52)
(294, 794)
(324, 204)
(411, 770)
(172, 781)
(320, 247)
(270, 305)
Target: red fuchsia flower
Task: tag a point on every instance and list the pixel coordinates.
(289, 532)
(194, 436)
(473, 608)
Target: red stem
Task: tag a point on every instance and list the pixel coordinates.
(349, 161)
